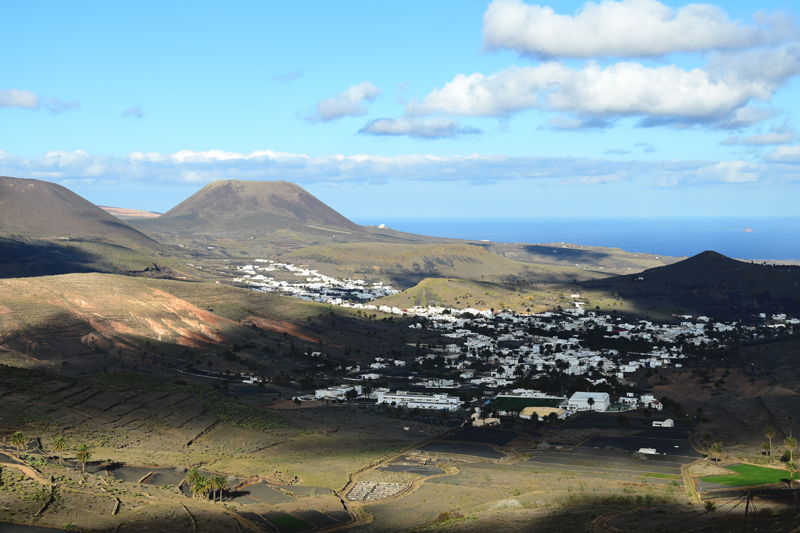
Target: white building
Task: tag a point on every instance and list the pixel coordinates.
(668, 423)
(337, 392)
(579, 401)
(420, 400)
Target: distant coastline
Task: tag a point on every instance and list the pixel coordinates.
(753, 238)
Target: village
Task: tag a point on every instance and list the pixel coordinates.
(486, 353)
(316, 287)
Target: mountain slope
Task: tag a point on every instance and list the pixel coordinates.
(713, 284)
(35, 208)
(243, 208)
(405, 265)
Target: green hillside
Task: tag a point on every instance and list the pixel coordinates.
(462, 294)
(406, 265)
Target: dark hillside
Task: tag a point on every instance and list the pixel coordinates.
(712, 284)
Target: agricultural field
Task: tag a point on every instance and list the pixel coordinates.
(749, 475)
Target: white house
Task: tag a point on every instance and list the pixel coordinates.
(668, 423)
(420, 400)
(579, 401)
(337, 392)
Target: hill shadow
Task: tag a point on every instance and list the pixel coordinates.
(27, 258)
(709, 284)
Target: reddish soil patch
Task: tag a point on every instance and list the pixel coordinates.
(280, 326)
(128, 213)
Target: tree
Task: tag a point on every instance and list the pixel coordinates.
(590, 401)
(766, 447)
(200, 487)
(791, 444)
(769, 432)
(84, 455)
(486, 410)
(60, 445)
(716, 451)
(297, 403)
(791, 466)
(623, 421)
(217, 483)
(706, 440)
(351, 395)
(646, 413)
(18, 439)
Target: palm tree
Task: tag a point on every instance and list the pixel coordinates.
(707, 440)
(84, 455)
(769, 432)
(218, 483)
(192, 476)
(590, 401)
(791, 466)
(766, 447)
(18, 439)
(716, 450)
(60, 445)
(791, 443)
(200, 487)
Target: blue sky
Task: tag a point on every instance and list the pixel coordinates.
(630, 108)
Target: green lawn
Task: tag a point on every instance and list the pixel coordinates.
(750, 475)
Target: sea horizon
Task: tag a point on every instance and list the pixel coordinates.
(740, 237)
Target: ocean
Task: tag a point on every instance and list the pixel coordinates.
(738, 237)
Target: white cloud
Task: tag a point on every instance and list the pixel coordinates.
(189, 166)
(134, 112)
(744, 117)
(18, 98)
(761, 140)
(29, 100)
(785, 154)
(729, 172)
(630, 28)
(347, 104)
(666, 94)
(434, 128)
(562, 123)
(617, 151)
(782, 134)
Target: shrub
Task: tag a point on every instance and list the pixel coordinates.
(446, 517)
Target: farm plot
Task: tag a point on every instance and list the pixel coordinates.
(287, 523)
(422, 470)
(317, 518)
(607, 468)
(631, 444)
(423, 505)
(748, 475)
(298, 490)
(458, 448)
(263, 493)
(498, 437)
